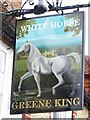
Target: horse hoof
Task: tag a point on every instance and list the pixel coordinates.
(19, 90)
(53, 91)
(38, 95)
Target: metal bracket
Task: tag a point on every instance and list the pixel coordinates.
(19, 12)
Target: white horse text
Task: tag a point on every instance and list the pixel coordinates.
(51, 25)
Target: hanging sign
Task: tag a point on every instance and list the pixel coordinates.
(48, 64)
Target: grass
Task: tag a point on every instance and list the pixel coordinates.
(21, 65)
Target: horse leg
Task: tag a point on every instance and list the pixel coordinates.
(71, 77)
(28, 74)
(37, 79)
(60, 81)
(72, 80)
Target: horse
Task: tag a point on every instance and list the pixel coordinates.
(38, 65)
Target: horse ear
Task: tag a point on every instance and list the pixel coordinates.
(26, 41)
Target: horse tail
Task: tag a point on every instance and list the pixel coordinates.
(75, 56)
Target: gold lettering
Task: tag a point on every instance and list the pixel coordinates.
(69, 102)
(34, 104)
(15, 105)
(63, 102)
(76, 101)
(57, 102)
(48, 103)
(21, 105)
(28, 104)
(41, 103)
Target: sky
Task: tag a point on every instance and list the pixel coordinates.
(70, 3)
(50, 37)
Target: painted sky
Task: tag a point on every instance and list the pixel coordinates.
(50, 37)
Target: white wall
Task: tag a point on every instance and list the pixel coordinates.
(6, 60)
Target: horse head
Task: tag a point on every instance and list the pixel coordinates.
(24, 48)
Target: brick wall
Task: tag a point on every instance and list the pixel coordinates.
(8, 25)
(87, 82)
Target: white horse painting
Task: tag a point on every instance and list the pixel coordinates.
(38, 64)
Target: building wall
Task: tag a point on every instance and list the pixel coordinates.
(6, 62)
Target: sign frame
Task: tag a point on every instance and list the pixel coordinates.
(36, 102)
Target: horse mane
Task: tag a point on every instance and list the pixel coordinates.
(34, 52)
